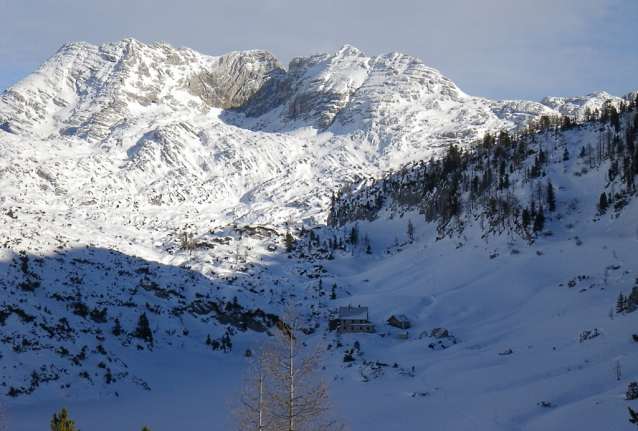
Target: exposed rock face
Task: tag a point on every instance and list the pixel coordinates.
(321, 98)
(349, 92)
(87, 91)
(632, 299)
(238, 77)
(439, 333)
(631, 96)
(315, 89)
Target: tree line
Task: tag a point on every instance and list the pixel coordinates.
(502, 181)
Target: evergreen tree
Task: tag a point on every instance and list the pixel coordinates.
(621, 304)
(333, 293)
(633, 416)
(526, 217)
(567, 123)
(504, 182)
(602, 204)
(354, 235)
(226, 343)
(539, 221)
(289, 241)
(565, 154)
(143, 329)
(588, 114)
(452, 159)
(117, 329)
(551, 198)
(62, 422)
(542, 157)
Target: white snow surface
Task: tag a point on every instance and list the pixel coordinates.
(112, 157)
(576, 106)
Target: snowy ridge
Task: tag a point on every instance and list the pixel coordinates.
(399, 104)
(576, 106)
(88, 91)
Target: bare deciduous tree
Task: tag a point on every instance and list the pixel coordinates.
(284, 388)
(250, 410)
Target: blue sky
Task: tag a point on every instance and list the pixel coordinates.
(500, 49)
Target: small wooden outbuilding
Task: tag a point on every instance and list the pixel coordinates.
(399, 321)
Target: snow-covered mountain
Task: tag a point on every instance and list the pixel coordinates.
(147, 179)
(232, 135)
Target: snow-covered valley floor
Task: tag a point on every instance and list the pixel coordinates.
(491, 295)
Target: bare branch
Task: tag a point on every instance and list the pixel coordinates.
(285, 390)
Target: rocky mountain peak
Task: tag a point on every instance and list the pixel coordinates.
(576, 106)
(87, 91)
(349, 51)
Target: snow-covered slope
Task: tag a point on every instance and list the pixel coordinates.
(147, 179)
(516, 312)
(576, 106)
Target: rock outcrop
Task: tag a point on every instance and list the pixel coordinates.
(88, 91)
